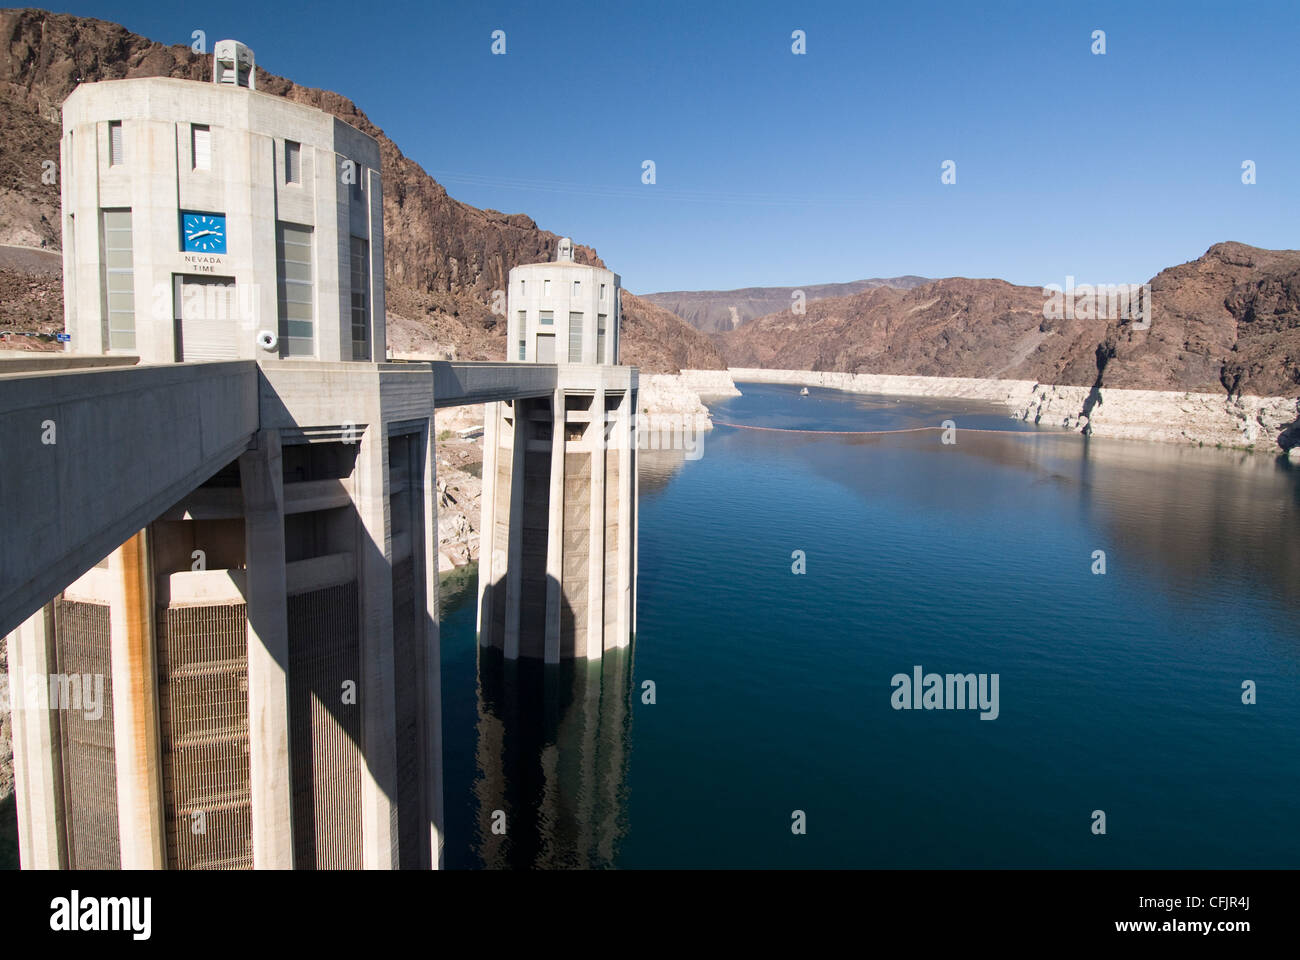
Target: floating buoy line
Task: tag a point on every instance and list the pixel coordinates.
(874, 433)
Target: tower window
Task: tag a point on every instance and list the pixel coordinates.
(360, 299)
(119, 279)
(600, 338)
(201, 146)
(546, 288)
(575, 338)
(577, 288)
(293, 258)
(116, 145)
(546, 317)
(602, 293)
(292, 162)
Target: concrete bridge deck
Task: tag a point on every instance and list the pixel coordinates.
(94, 449)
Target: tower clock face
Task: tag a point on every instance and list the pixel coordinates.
(204, 232)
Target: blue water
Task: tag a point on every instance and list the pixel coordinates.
(1119, 692)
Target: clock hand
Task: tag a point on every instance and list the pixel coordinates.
(201, 233)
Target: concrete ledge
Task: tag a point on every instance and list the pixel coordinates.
(15, 361)
(209, 587)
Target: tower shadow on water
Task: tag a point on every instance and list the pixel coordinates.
(552, 754)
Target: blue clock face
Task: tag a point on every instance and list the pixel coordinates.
(204, 232)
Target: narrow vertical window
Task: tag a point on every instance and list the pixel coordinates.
(201, 146)
(575, 338)
(523, 348)
(116, 145)
(293, 261)
(546, 288)
(292, 161)
(577, 288)
(546, 317)
(523, 287)
(119, 279)
(602, 293)
(600, 338)
(360, 299)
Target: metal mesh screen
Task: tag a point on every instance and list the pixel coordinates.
(203, 700)
(577, 545)
(325, 728)
(82, 649)
(408, 673)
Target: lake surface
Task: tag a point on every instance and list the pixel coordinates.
(1118, 692)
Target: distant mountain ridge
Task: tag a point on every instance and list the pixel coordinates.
(1228, 321)
(716, 311)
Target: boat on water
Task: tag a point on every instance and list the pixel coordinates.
(803, 392)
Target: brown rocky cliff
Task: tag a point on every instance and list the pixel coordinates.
(1228, 321)
(955, 327)
(658, 341)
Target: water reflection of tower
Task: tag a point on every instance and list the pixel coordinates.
(553, 744)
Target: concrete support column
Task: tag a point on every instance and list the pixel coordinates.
(622, 438)
(555, 531)
(135, 707)
(596, 545)
(270, 774)
(425, 540)
(515, 559)
(378, 693)
(488, 563)
(38, 774)
(634, 440)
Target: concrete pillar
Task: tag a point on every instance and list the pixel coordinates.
(596, 544)
(426, 541)
(141, 825)
(38, 774)
(488, 564)
(555, 531)
(270, 774)
(634, 440)
(378, 698)
(515, 560)
(626, 535)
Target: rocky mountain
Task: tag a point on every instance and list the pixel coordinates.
(658, 342)
(1228, 321)
(443, 258)
(715, 311)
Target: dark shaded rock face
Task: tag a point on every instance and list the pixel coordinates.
(442, 258)
(1228, 321)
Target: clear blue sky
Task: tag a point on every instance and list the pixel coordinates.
(776, 169)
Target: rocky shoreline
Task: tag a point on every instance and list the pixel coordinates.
(1261, 424)
(675, 401)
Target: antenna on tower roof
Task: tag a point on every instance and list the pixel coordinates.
(232, 63)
